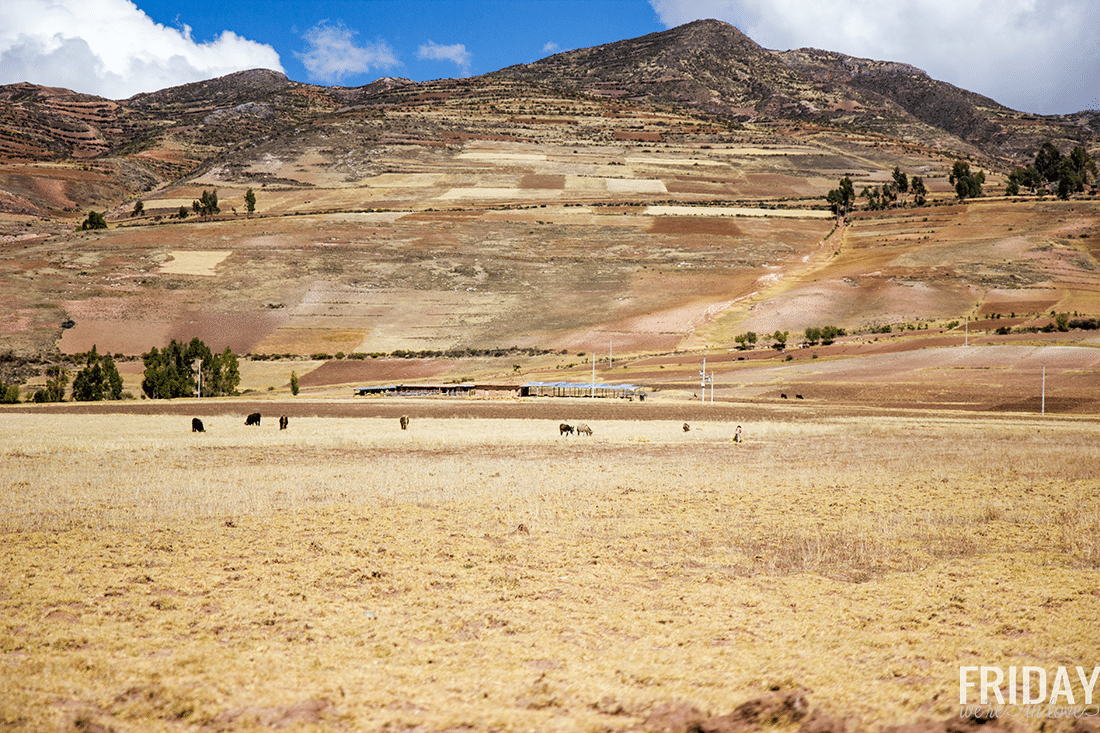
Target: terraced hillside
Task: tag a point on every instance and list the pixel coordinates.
(505, 211)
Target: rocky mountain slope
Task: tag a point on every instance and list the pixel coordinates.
(713, 66)
(707, 66)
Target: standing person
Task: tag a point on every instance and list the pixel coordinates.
(737, 435)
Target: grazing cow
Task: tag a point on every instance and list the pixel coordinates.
(798, 396)
(253, 419)
(783, 395)
(686, 427)
(582, 428)
(404, 422)
(283, 422)
(564, 429)
(196, 426)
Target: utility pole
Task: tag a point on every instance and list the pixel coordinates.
(1044, 399)
(703, 374)
(592, 387)
(197, 364)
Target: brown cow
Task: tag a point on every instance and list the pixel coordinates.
(565, 429)
(283, 422)
(404, 422)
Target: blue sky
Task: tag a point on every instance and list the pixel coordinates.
(489, 35)
(1033, 55)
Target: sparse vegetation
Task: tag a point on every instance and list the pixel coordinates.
(271, 576)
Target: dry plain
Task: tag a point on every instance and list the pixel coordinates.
(480, 572)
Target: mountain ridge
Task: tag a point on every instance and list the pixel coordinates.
(705, 68)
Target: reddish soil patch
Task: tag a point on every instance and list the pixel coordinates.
(352, 371)
(240, 332)
(641, 137)
(716, 226)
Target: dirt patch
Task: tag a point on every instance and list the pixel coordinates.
(188, 262)
(694, 225)
(540, 181)
(373, 371)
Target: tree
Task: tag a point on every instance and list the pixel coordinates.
(57, 378)
(840, 199)
(901, 181)
(183, 212)
(171, 373)
(1047, 161)
(813, 335)
(873, 196)
(1023, 177)
(95, 220)
(139, 209)
(1083, 164)
(250, 202)
(294, 383)
(967, 184)
(98, 380)
(223, 374)
(780, 338)
(1069, 180)
(920, 193)
(207, 205)
(829, 334)
(890, 194)
(9, 393)
(746, 340)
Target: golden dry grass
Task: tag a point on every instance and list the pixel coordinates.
(490, 574)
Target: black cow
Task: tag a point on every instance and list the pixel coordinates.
(686, 427)
(798, 396)
(283, 422)
(196, 426)
(564, 429)
(253, 419)
(783, 395)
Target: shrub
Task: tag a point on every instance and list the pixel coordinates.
(95, 220)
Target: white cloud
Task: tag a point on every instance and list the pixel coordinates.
(112, 49)
(456, 54)
(1033, 55)
(333, 53)
(551, 48)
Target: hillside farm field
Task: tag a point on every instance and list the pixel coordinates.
(832, 572)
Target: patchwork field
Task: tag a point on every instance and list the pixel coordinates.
(481, 572)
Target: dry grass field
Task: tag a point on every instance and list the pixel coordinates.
(832, 572)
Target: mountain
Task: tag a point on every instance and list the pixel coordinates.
(712, 66)
(707, 65)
